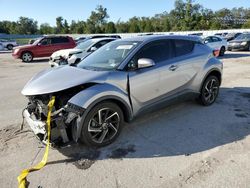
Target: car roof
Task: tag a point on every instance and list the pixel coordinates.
(159, 37)
(55, 36)
(99, 39)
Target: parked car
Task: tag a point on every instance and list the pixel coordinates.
(81, 39)
(71, 56)
(231, 36)
(216, 43)
(196, 34)
(242, 42)
(1, 46)
(118, 82)
(9, 44)
(43, 47)
(221, 34)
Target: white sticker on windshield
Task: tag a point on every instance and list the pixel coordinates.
(124, 47)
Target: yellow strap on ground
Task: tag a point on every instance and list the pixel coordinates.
(22, 181)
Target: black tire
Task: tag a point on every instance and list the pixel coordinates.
(93, 131)
(209, 91)
(222, 51)
(10, 46)
(27, 57)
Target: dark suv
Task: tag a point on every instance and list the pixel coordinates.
(43, 47)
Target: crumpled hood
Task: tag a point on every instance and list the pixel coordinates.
(65, 53)
(61, 78)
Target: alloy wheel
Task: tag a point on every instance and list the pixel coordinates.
(27, 57)
(211, 91)
(104, 125)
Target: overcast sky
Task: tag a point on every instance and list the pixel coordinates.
(47, 10)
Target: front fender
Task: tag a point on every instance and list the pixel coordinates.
(89, 97)
(97, 93)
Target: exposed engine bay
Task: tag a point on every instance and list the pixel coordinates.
(64, 116)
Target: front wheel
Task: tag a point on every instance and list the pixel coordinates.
(102, 125)
(209, 91)
(27, 57)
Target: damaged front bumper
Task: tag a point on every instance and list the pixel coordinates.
(64, 125)
(38, 127)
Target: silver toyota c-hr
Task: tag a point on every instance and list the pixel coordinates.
(118, 82)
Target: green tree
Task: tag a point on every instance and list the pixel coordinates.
(110, 27)
(99, 16)
(65, 27)
(26, 26)
(59, 25)
(45, 28)
(246, 25)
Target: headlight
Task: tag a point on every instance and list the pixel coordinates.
(16, 51)
(243, 43)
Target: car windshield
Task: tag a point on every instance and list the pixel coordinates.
(108, 57)
(243, 36)
(85, 44)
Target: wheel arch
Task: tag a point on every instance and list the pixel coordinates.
(25, 51)
(98, 93)
(213, 72)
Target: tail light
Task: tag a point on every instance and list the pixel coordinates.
(216, 53)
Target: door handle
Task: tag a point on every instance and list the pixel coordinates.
(173, 67)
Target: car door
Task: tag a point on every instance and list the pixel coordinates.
(145, 83)
(217, 43)
(59, 43)
(43, 47)
(176, 72)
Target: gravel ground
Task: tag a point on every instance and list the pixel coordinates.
(184, 145)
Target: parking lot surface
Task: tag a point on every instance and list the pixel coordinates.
(183, 145)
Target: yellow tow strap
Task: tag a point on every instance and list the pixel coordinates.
(22, 181)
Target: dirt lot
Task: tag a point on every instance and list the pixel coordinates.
(185, 145)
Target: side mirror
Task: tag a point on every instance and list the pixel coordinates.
(92, 49)
(206, 41)
(145, 62)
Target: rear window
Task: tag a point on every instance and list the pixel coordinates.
(58, 40)
(183, 47)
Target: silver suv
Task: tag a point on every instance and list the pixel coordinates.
(118, 82)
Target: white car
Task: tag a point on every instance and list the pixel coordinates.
(73, 56)
(9, 44)
(216, 43)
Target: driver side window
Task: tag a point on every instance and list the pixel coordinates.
(158, 51)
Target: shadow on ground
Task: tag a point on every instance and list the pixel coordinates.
(42, 60)
(235, 54)
(181, 129)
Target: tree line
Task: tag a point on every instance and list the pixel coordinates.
(186, 16)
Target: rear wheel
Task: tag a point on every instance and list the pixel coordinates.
(102, 125)
(209, 91)
(27, 57)
(10, 46)
(222, 51)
